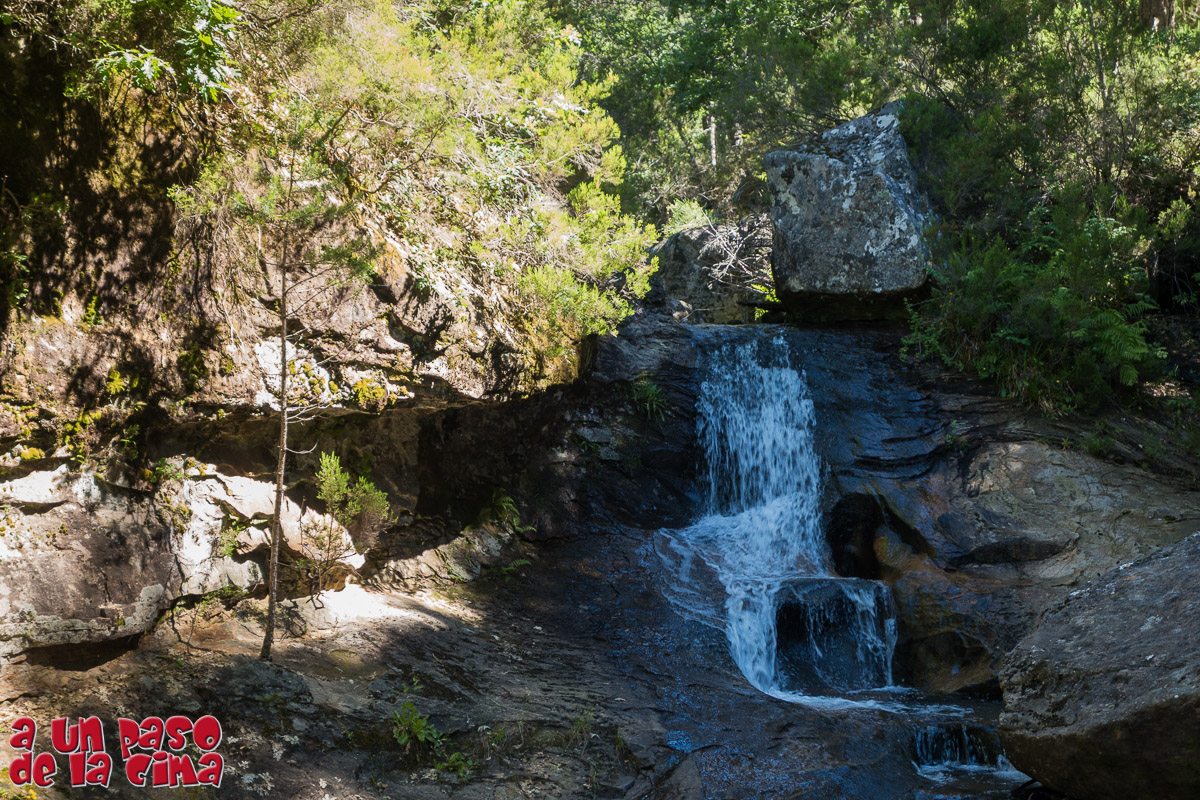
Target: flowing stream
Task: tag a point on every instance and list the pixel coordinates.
(755, 565)
(795, 629)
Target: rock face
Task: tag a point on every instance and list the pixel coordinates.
(955, 500)
(824, 636)
(958, 502)
(848, 217)
(703, 273)
(1102, 700)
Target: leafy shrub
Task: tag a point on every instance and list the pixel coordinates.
(1055, 319)
(412, 729)
(649, 397)
(684, 215)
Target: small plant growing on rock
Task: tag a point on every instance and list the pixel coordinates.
(227, 543)
(165, 471)
(192, 369)
(955, 437)
(581, 731)
(649, 397)
(370, 395)
(32, 454)
(350, 505)
(116, 383)
(412, 729)
(684, 215)
(457, 765)
(503, 510)
(513, 568)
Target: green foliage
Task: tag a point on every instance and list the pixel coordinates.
(32, 454)
(129, 440)
(189, 46)
(370, 394)
(14, 267)
(91, 315)
(355, 504)
(455, 765)
(165, 471)
(116, 383)
(648, 396)
(762, 73)
(513, 568)
(412, 730)
(1056, 320)
(79, 436)
(1059, 148)
(479, 124)
(1057, 141)
(683, 215)
(503, 510)
(227, 537)
(581, 731)
(192, 368)
(569, 307)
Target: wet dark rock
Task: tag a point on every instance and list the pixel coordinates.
(958, 744)
(978, 523)
(1102, 699)
(824, 629)
(853, 525)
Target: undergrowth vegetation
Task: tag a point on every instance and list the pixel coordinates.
(1059, 143)
(509, 156)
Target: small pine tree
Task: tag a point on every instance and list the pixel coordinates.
(280, 215)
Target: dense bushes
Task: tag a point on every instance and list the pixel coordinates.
(1060, 143)
(1055, 321)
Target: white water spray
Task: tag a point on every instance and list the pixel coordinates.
(760, 537)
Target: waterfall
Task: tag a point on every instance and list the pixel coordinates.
(793, 626)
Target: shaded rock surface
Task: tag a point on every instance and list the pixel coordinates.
(964, 506)
(88, 558)
(1102, 699)
(568, 677)
(974, 512)
(848, 219)
(704, 273)
(824, 637)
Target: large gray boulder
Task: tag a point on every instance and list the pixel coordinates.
(848, 217)
(1102, 699)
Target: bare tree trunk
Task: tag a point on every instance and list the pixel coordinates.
(1158, 15)
(277, 525)
(712, 141)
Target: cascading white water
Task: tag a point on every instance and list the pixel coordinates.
(761, 529)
